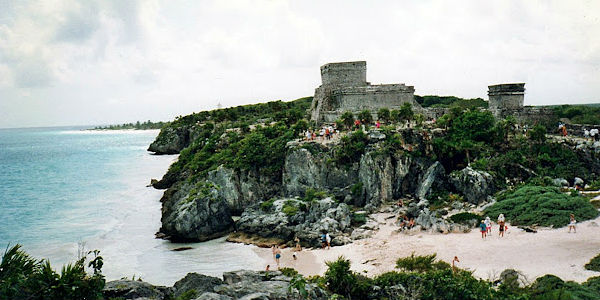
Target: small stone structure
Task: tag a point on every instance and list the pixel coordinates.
(344, 88)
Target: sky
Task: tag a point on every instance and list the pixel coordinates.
(97, 62)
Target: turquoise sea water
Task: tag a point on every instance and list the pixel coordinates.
(64, 186)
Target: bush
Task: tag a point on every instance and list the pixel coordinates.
(267, 205)
(338, 276)
(421, 263)
(289, 208)
(544, 206)
(466, 218)
(359, 219)
(365, 117)
(351, 148)
(289, 272)
(311, 194)
(188, 295)
(594, 264)
(23, 277)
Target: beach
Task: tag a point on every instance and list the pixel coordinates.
(549, 251)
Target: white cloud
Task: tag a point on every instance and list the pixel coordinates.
(125, 60)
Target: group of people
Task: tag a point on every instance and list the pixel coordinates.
(405, 223)
(593, 133)
(276, 250)
(562, 128)
(486, 226)
(325, 132)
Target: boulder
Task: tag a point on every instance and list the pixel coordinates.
(578, 182)
(195, 213)
(194, 281)
(475, 185)
(131, 289)
(213, 296)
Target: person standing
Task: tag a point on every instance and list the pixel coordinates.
(328, 239)
(572, 224)
(483, 229)
(501, 227)
(455, 262)
(488, 225)
(277, 255)
(323, 240)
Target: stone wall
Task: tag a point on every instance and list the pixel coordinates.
(506, 96)
(345, 73)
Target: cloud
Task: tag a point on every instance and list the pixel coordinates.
(79, 24)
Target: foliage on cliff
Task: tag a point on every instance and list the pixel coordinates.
(543, 206)
(137, 125)
(233, 144)
(24, 277)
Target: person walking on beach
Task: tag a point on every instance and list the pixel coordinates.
(572, 223)
(328, 239)
(483, 229)
(277, 255)
(323, 240)
(501, 227)
(298, 246)
(488, 225)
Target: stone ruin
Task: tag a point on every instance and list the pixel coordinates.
(344, 87)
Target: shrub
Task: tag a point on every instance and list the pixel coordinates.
(351, 148)
(383, 114)
(466, 218)
(420, 263)
(267, 205)
(594, 264)
(348, 119)
(544, 206)
(365, 117)
(290, 272)
(311, 194)
(359, 219)
(289, 208)
(338, 276)
(188, 295)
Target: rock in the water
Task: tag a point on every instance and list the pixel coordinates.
(474, 185)
(131, 289)
(198, 282)
(195, 213)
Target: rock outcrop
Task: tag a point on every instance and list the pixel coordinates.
(475, 185)
(171, 140)
(194, 213)
(243, 284)
(288, 218)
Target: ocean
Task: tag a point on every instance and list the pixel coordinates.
(64, 187)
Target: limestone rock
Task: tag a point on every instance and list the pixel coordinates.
(198, 282)
(474, 185)
(376, 174)
(433, 175)
(213, 296)
(170, 140)
(578, 182)
(195, 213)
(131, 289)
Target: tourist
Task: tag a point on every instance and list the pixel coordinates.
(323, 240)
(267, 268)
(327, 134)
(455, 262)
(488, 225)
(586, 133)
(411, 223)
(377, 125)
(298, 246)
(277, 255)
(273, 251)
(328, 239)
(356, 124)
(313, 136)
(594, 134)
(564, 130)
(572, 224)
(308, 135)
(294, 255)
(501, 226)
(483, 229)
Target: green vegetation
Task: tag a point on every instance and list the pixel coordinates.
(543, 206)
(290, 272)
(579, 114)
(436, 280)
(311, 194)
(420, 263)
(450, 101)
(188, 295)
(594, 264)
(466, 218)
(267, 205)
(24, 277)
(137, 125)
(351, 148)
(289, 208)
(365, 117)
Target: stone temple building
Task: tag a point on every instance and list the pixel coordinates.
(344, 88)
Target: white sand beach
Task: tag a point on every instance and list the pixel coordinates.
(549, 251)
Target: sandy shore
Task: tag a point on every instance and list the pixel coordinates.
(549, 251)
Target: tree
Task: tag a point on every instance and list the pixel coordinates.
(348, 119)
(395, 115)
(419, 118)
(537, 134)
(384, 114)
(365, 117)
(406, 112)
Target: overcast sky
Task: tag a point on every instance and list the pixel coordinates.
(102, 62)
